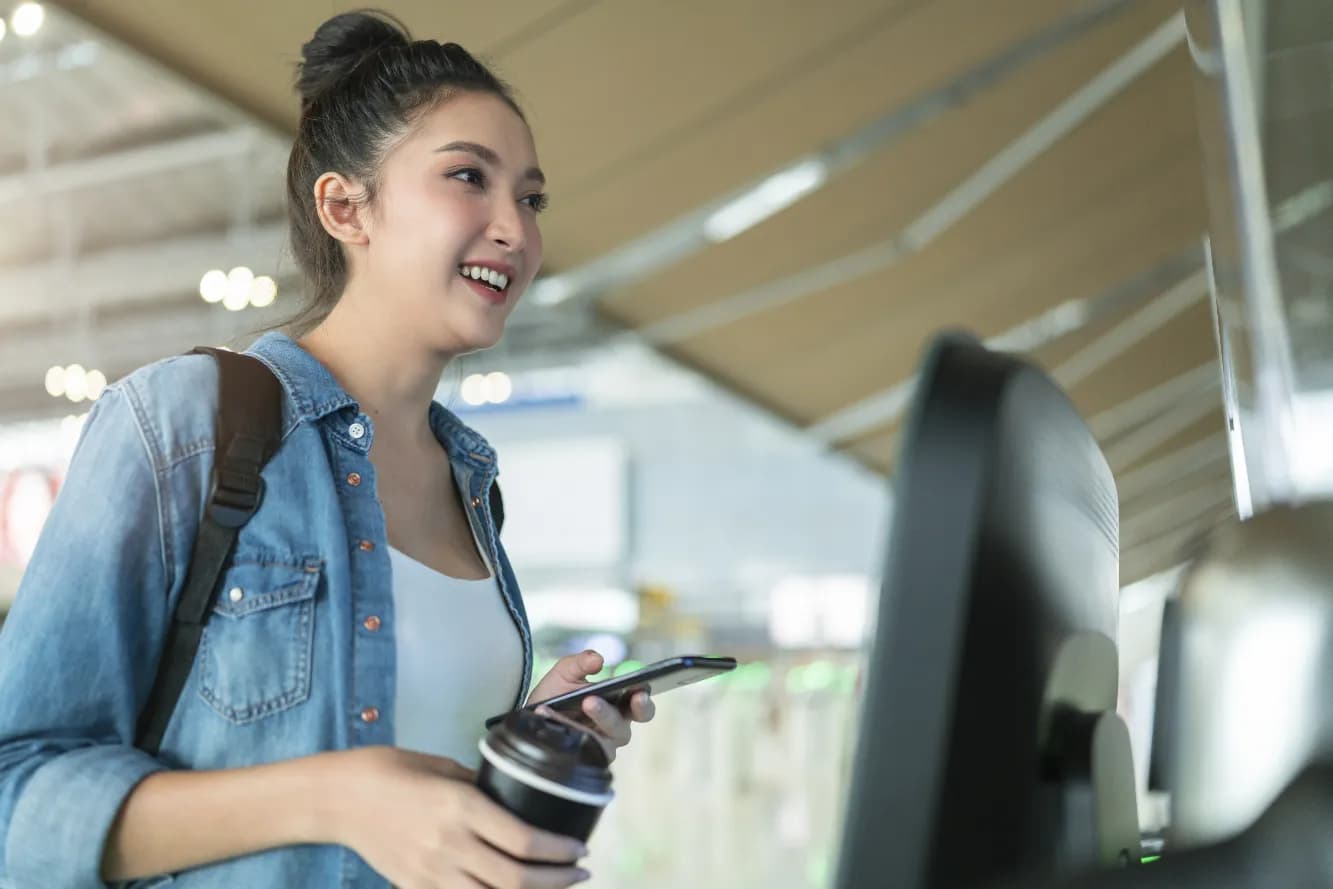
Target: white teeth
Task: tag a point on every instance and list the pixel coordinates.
(498, 280)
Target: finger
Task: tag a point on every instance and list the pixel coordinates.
(493, 868)
(609, 721)
(642, 708)
(507, 833)
(452, 768)
(590, 662)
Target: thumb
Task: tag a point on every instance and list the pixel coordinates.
(576, 668)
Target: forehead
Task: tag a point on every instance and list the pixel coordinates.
(476, 117)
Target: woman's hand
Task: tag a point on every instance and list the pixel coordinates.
(613, 726)
(421, 822)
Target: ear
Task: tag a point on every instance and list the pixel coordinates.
(341, 208)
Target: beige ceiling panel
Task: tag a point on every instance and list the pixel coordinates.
(1066, 347)
(878, 450)
(1170, 549)
(623, 81)
(1210, 425)
(245, 50)
(845, 344)
(1214, 477)
(1176, 347)
(731, 141)
(875, 200)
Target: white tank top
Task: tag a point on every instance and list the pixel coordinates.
(460, 659)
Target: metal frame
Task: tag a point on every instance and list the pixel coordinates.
(41, 182)
(686, 235)
(1147, 406)
(1204, 455)
(1132, 331)
(1051, 326)
(961, 200)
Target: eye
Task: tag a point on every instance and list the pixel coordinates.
(470, 175)
(537, 202)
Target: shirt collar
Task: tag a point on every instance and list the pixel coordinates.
(313, 393)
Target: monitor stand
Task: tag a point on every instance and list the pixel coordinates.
(1087, 756)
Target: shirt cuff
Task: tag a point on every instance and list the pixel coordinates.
(60, 823)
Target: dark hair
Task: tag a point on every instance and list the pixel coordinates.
(363, 82)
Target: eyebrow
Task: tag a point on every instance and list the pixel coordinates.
(490, 157)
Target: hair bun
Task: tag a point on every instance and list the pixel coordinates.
(340, 46)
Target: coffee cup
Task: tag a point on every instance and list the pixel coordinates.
(551, 772)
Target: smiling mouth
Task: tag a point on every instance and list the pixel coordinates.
(489, 278)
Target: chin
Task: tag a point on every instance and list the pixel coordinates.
(466, 343)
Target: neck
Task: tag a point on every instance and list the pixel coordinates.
(393, 378)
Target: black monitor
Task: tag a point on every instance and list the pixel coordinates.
(988, 746)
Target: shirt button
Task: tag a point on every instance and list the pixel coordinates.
(357, 431)
(366, 546)
(476, 501)
(371, 623)
(370, 714)
(354, 479)
(236, 594)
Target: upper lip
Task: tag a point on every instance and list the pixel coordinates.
(503, 268)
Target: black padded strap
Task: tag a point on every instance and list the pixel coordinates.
(497, 507)
(249, 431)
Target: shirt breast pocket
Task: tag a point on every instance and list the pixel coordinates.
(256, 651)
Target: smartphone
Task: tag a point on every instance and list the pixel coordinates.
(654, 678)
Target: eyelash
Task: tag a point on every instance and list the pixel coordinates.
(536, 202)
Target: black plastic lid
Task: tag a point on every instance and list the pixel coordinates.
(555, 750)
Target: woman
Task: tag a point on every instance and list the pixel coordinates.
(369, 619)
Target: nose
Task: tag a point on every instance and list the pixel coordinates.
(506, 227)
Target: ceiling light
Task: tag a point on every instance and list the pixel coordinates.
(473, 390)
(55, 382)
(498, 387)
(76, 383)
(766, 199)
(96, 384)
(27, 19)
(213, 286)
(239, 281)
(263, 291)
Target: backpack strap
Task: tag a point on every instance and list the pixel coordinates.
(249, 431)
(497, 507)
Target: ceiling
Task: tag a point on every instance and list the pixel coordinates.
(1028, 171)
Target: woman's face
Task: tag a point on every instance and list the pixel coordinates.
(452, 236)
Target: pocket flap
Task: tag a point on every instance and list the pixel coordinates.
(256, 582)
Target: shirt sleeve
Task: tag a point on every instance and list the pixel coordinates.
(77, 657)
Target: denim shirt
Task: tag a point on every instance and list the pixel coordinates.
(290, 663)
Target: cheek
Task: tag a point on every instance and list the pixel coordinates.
(435, 224)
(534, 248)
